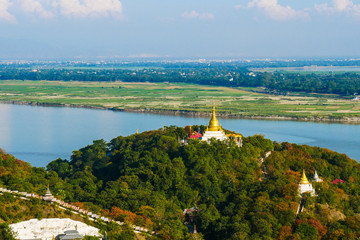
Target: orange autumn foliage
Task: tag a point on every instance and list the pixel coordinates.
(78, 204)
(292, 175)
(105, 212)
(351, 179)
(122, 215)
(282, 207)
(285, 232)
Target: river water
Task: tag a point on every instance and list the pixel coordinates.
(39, 135)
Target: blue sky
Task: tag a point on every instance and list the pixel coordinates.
(169, 28)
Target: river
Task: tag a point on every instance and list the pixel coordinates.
(40, 135)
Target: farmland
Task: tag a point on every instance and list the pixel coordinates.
(182, 98)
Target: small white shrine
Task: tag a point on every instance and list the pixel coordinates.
(317, 178)
(48, 197)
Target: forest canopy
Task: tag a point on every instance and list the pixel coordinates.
(250, 192)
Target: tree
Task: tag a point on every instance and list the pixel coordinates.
(5, 232)
(306, 231)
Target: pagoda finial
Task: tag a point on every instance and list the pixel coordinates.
(137, 131)
(214, 123)
(190, 130)
(48, 190)
(304, 179)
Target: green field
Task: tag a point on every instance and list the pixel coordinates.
(311, 69)
(241, 102)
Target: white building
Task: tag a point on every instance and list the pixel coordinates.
(305, 186)
(48, 228)
(317, 178)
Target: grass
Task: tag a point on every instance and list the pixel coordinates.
(183, 97)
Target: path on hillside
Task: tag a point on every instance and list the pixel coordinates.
(74, 209)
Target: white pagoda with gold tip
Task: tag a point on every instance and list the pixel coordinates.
(317, 178)
(214, 129)
(305, 185)
(48, 197)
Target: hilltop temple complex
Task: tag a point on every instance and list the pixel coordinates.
(215, 131)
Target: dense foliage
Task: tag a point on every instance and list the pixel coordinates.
(5, 232)
(149, 178)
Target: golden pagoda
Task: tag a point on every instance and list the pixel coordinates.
(304, 179)
(214, 129)
(305, 185)
(214, 123)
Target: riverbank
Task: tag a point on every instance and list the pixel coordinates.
(41, 134)
(345, 120)
(182, 99)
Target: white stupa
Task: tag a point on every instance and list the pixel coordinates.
(305, 185)
(316, 177)
(214, 129)
(48, 197)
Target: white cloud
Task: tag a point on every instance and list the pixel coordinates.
(84, 8)
(343, 5)
(324, 8)
(276, 11)
(339, 6)
(238, 6)
(33, 6)
(196, 15)
(4, 14)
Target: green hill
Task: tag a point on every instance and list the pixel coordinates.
(148, 179)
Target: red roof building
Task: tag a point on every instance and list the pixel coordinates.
(195, 135)
(337, 181)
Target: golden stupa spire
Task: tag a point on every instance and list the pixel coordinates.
(214, 123)
(304, 179)
(137, 131)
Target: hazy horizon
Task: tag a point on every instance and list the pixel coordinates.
(59, 29)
